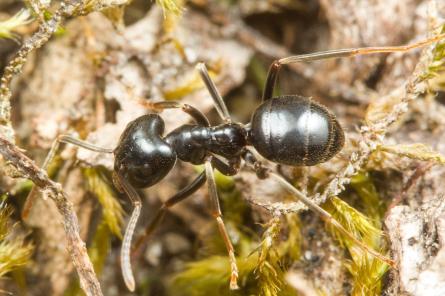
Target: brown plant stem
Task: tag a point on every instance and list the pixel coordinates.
(14, 67)
(75, 246)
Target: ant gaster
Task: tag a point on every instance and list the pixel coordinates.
(290, 130)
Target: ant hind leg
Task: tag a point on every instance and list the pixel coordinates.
(336, 53)
(264, 172)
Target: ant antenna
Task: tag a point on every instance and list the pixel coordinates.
(51, 154)
(127, 273)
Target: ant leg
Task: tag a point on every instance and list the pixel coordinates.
(336, 53)
(229, 169)
(264, 172)
(197, 115)
(216, 212)
(220, 106)
(122, 184)
(51, 154)
(178, 197)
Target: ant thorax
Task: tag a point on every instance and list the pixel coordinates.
(193, 143)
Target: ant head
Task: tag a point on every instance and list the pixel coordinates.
(142, 156)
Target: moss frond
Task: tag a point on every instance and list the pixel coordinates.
(14, 252)
(112, 210)
(438, 63)
(8, 26)
(354, 221)
(292, 245)
(5, 213)
(366, 271)
(210, 276)
(193, 84)
(100, 246)
(171, 6)
(365, 188)
(268, 271)
(415, 151)
(260, 273)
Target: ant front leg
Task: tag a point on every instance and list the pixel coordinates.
(51, 154)
(264, 172)
(216, 213)
(124, 185)
(336, 53)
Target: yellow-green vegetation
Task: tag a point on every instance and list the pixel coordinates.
(438, 63)
(262, 262)
(9, 26)
(111, 209)
(111, 223)
(100, 246)
(193, 84)
(366, 271)
(415, 151)
(14, 252)
(171, 6)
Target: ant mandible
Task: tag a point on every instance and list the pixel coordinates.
(290, 130)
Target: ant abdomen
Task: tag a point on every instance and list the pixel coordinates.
(142, 156)
(295, 130)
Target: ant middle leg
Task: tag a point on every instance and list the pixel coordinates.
(160, 214)
(51, 154)
(264, 172)
(227, 169)
(336, 53)
(216, 213)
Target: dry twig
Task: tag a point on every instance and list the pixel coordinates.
(75, 245)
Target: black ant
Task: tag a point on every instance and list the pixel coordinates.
(290, 130)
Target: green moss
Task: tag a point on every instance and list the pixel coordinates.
(366, 271)
(111, 208)
(10, 25)
(262, 265)
(14, 252)
(171, 6)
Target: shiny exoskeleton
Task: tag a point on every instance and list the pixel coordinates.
(290, 130)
